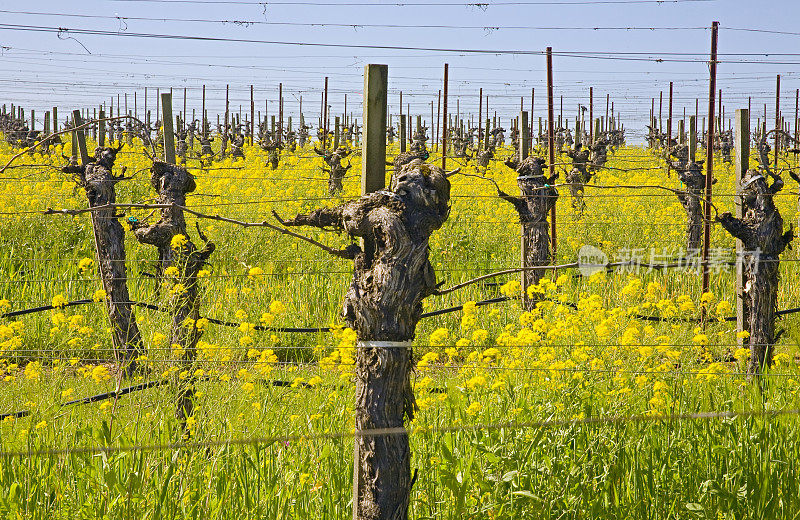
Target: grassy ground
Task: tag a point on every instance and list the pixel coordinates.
(491, 365)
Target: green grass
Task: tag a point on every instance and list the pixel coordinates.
(555, 364)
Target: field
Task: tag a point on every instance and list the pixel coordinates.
(577, 409)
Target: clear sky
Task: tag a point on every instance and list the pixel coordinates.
(44, 68)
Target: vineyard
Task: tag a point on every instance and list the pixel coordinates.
(446, 315)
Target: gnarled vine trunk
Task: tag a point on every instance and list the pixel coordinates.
(391, 276)
(172, 183)
(538, 197)
(694, 179)
(761, 231)
(99, 183)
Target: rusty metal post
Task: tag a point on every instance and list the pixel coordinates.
(444, 120)
(712, 89)
(551, 145)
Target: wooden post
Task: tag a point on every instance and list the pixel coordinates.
(480, 117)
(55, 120)
(539, 134)
(336, 122)
(592, 134)
(169, 136)
(203, 116)
(128, 131)
(280, 112)
(692, 138)
(433, 127)
(551, 145)
(530, 129)
(712, 88)
(524, 137)
(325, 114)
(251, 126)
(80, 136)
(373, 162)
(101, 140)
(669, 124)
(185, 116)
(402, 133)
(742, 150)
(47, 123)
(227, 114)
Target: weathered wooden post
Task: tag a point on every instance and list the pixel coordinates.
(251, 129)
(480, 118)
(79, 138)
(169, 134)
(402, 133)
(592, 133)
(55, 120)
(539, 135)
(692, 138)
(280, 113)
(101, 140)
(524, 146)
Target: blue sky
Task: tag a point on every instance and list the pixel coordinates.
(42, 69)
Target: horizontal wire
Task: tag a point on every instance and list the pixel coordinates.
(247, 23)
(400, 431)
(625, 56)
(427, 3)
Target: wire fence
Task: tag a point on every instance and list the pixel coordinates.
(249, 208)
